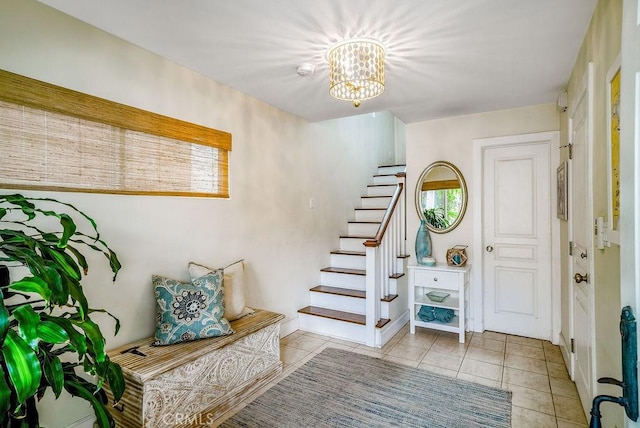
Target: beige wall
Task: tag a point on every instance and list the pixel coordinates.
(451, 140)
(601, 46)
(278, 162)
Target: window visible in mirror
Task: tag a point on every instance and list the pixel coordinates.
(442, 207)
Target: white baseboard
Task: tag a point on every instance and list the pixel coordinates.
(288, 327)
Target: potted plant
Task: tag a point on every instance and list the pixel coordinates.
(47, 337)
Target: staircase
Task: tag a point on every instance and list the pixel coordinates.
(362, 296)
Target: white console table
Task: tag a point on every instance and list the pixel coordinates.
(439, 278)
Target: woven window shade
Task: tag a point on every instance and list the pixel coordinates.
(44, 149)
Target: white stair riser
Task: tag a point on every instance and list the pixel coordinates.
(334, 328)
(385, 179)
(339, 303)
(391, 169)
(363, 229)
(356, 282)
(352, 244)
(369, 215)
(348, 261)
(380, 202)
(381, 190)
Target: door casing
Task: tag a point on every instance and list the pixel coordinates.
(477, 294)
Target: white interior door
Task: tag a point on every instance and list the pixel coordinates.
(580, 231)
(516, 228)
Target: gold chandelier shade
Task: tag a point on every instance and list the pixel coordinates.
(356, 70)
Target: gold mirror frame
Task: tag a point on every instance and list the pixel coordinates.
(418, 195)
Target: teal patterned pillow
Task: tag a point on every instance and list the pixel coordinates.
(189, 311)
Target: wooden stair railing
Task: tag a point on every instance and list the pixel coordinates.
(382, 254)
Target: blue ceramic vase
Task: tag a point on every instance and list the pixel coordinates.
(423, 243)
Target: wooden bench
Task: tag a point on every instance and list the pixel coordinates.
(194, 383)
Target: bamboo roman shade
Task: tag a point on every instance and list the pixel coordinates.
(56, 139)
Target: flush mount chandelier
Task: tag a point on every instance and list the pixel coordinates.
(356, 70)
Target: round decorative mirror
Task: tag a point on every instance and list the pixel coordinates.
(441, 196)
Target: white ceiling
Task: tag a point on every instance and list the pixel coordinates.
(444, 57)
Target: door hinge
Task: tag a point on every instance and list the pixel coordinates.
(571, 248)
(573, 346)
(570, 151)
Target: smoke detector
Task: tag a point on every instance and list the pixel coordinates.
(305, 69)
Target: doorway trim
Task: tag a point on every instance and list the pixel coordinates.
(477, 293)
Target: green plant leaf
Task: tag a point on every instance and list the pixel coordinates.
(86, 391)
(68, 229)
(82, 261)
(27, 207)
(93, 333)
(33, 285)
(5, 397)
(3, 212)
(50, 332)
(67, 264)
(76, 340)
(115, 379)
(54, 374)
(22, 365)
(28, 321)
(117, 321)
(4, 320)
(75, 290)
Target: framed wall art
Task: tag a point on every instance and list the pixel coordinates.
(562, 192)
(613, 151)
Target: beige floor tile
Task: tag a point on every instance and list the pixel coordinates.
(426, 332)
(536, 343)
(564, 387)
(527, 364)
(525, 418)
(490, 344)
(526, 379)
(531, 399)
(343, 342)
(418, 341)
(554, 355)
(562, 423)
(525, 351)
(290, 337)
(365, 350)
(485, 355)
(444, 360)
(449, 347)
(402, 361)
(316, 335)
(308, 343)
(438, 370)
(482, 369)
(479, 379)
(557, 370)
(290, 355)
(332, 345)
(407, 352)
(569, 409)
(491, 335)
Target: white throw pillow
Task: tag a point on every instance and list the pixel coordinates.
(233, 285)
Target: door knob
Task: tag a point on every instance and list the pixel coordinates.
(489, 248)
(580, 278)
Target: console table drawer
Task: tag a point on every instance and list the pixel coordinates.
(432, 278)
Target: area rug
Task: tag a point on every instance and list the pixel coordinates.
(338, 388)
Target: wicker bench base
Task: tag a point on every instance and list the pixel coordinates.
(194, 383)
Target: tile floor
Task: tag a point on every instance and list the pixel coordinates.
(543, 394)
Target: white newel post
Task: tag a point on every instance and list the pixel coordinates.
(373, 293)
